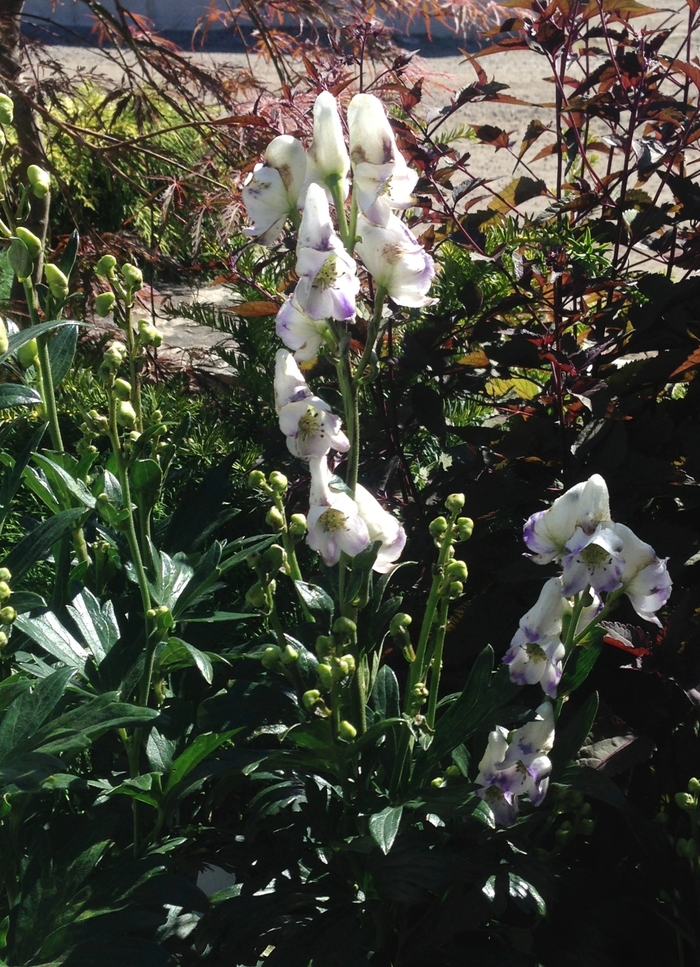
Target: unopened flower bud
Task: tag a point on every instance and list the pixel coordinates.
(274, 519)
(349, 664)
(126, 415)
(686, 801)
(278, 482)
(289, 655)
(465, 528)
(344, 626)
(7, 109)
(148, 334)
(586, 826)
(399, 624)
(325, 646)
(30, 240)
(256, 597)
(39, 180)
(4, 339)
(122, 389)
(271, 656)
(453, 772)
(3, 640)
(7, 615)
(132, 275)
(275, 557)
(5, 574)
(104, 267)
(311, 698)
(297, 525)
(56, 280)
(27, 354)
(347, 731)
(104, 303)
(438, 527)
(256, 478)
(456, 589)
(325, 675)
(694, 785)
(454, 503)
(456, 570)
(5, 591)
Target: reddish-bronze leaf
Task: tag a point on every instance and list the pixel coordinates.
(534, 129)
(253, 309)
(692, 361)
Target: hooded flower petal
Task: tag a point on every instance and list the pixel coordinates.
(299, 332)
(328, 156)
(585, 505)
(536, 651)
(289, 383)
(645, 578)
(271, 192)
(327, 281)
(381, 178)
(395, 259)
(334, 524)
(382, 526)
(593, 559)
(312, 429)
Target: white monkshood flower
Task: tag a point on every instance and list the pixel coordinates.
(306, 420)
(586, 505)
(395, 259)
(299, 332)
(593, 559)
(271, 192)
(536, 652)
(645, 578)
(328, 156)
(381, 178)
(334, 523)
(519, 767)
(327, 283)
(382, 526)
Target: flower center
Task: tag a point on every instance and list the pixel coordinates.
(327, 275)
(595, 556)
(310, 424)
(333, 520)
(534, 652)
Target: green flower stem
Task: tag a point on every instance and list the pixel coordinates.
(359, 683)
(45, 379)
(575, 615)
(443, 610)
(133, 372)
(135, 550)
(348, 240)
(293, 569)
(607, 607)
(373, 331)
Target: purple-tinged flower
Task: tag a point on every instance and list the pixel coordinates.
(328, 282)
(382, 526)
(586, 505)
(536, 652)
(299, 332)
(645, 578)
(396, 260)
(381, 178)
(519, 767)
(289, 383)
(272, 190)
(593, 559)
(328, 156)
(333, 521)
(306, 420)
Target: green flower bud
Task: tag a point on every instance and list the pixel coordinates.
(453, 772)
(32, 243)
(104, 268)
(7, 615)
(694, 785)
(456, 589)
(4, 339)
(344, 626)
(661, 818)
(399, 624)
(39, 180)
(349, 664)
(586, 827)
(3, 640)
(27, 354)
(126, 415)
(454, 503)
(104, 303)
(311, 698)
(289, 655)
(685, 801)
(325, 646)
(56, 281)
(325, 675)
(465, 528)
(5, 591)
(275, 557)
(256, 478)
(278, 482)
(150, 336)
(122, 389)
(7, 109)
(98, 423)
(347, 731)
(256, 597)
(5, 574)
(456, 570)
(340, 669)
(133, 276)
(275, 519)
(436, 782)
(271, 656)
(438, 527)
(297, 525)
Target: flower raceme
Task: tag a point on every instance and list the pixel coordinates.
(598, 557)
(517, 765)
(312, 430)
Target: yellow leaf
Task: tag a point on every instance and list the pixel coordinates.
(524, 388)
(477, 357)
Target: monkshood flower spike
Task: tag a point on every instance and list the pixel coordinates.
(536, 652)
(517, 765)
(307, 421)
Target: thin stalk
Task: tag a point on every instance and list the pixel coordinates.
(436, 661)
(373, 331)
(45, 378)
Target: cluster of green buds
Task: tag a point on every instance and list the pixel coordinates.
(123, 281)
(148, 335)
(7, 612)
(446, 532)
(571, 801)
(689, 801)
(266, 566)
